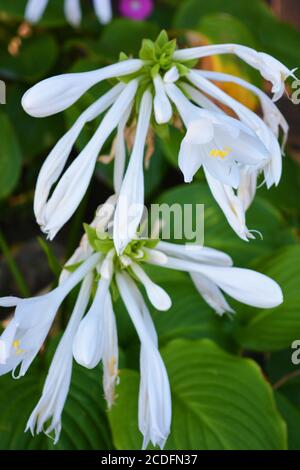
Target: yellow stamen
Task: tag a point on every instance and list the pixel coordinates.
(220, 153)
(16, 345)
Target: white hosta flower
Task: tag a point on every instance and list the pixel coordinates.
(22, 339)
(57, 384)
(150, 89)
(92, 337)
(273, 165)
(222, 145)
(36, 8)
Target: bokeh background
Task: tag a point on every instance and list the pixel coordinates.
(233, 382)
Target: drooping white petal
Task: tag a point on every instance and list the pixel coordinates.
(89, 340)
(244, 285)
(231, 206)
(35, 10)
(200, 254)
(33, 318)
(269, 67)
(162, 106)
(74, 182)
(154, 395)
(55, 162)
(156, 294)
(211, 293)
(200, 99)
(55, 94)
(103, 10)
(73, 12)
(273, 161)
(130, 204)
(57, 384)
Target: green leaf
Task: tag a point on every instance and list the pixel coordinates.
(261, 216)
(84, 421)
(219, 402)
(275, 329)
(291, 414)
(126, 35)
(53, 262)
(10, 157)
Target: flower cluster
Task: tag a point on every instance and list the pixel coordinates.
(154, 90)
(91, 334)
(161, 87)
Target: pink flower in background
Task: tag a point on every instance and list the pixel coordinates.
(136, 9)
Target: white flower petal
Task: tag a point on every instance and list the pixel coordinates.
(196, 253)
(103, 10)
(156, 294)
(73, 12)
(57, 384)
(162, 107)
(74, 182)
(55, 94)
(130, 206)
(35, 10)
(154, 396)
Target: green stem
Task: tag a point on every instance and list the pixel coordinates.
(20, 281)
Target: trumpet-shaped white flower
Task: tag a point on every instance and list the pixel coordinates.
(150, 89)
(57, 384)
(36, 8)
(92, 337)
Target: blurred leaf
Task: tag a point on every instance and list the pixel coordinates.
(53, 262)
(275, 329)
(219, 402)
(84, 421)
(124, 35)
(34, 59)
(10, 157)
(261, 216)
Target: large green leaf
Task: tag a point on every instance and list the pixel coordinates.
(219, 402)
(275, 329)
(10, 157)
(84, 420)
(261, 216)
